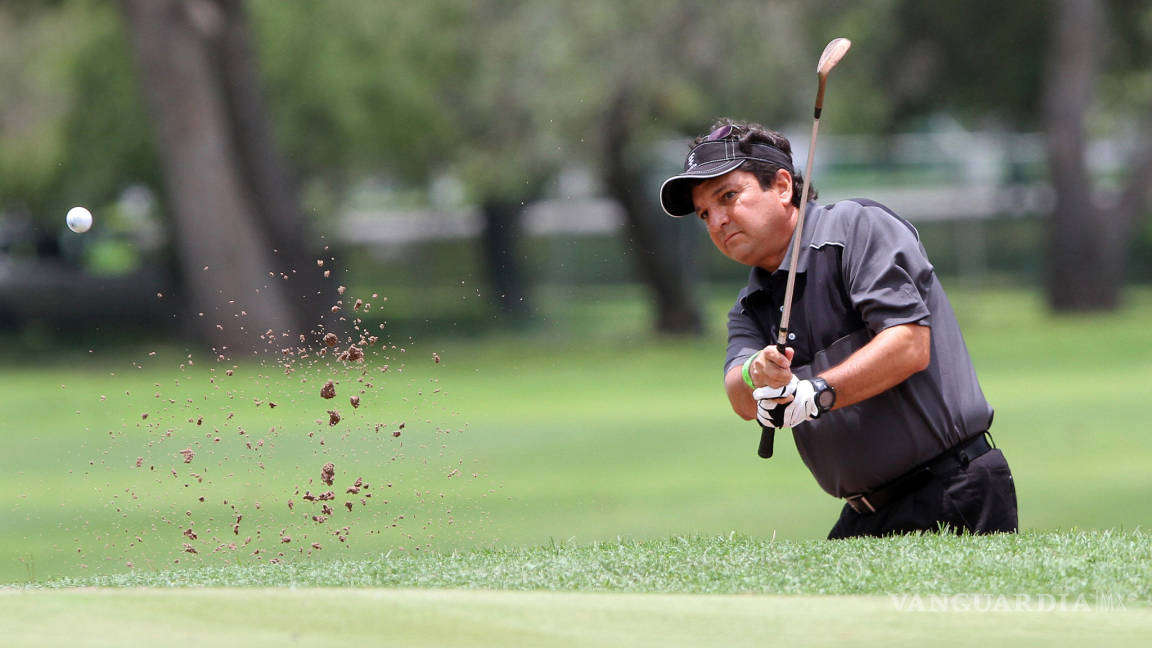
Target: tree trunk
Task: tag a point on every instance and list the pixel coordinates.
(503, 224)
(652, 237)
(264, 171)
(225, 255)
(1085, 244)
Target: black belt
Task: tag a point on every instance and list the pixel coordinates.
(948, 462)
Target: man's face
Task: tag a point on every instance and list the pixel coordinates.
(748, 224)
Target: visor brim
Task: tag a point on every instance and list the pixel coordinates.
(676, 192)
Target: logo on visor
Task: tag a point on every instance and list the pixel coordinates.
(691, 159)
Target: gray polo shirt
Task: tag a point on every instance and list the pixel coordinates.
(861, 270)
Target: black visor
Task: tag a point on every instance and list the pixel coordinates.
(715, 156)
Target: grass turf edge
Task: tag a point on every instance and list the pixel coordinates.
(1112, 563)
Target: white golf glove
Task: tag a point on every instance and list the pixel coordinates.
(761, 393)
(803, 406)
(770, 413)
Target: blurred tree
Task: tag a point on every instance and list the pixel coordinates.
(502, 94)
(505, 93)
(70, 135)
(668, 67)
(263, 171)
(1088, 241)
(452, 90)
(69, 122)
(363, 88)
(219, 168)
(508, 152)
(1074, 68)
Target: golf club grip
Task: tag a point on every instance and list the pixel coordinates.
(767, 436)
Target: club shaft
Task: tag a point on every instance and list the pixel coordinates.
(797, 234)
(833, 52)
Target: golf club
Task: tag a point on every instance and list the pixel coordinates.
(833, 52)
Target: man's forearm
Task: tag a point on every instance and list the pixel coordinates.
(886, 361)
(739, 394)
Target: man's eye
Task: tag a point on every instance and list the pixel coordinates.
(729, 195)
(703, 215)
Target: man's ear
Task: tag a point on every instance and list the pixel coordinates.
(782, 183)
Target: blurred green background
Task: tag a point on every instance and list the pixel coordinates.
(483, 174)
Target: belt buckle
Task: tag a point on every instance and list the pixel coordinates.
(860, 504)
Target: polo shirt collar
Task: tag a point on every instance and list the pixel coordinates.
(762, 280)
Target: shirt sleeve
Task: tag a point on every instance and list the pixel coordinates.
(744, 336)
(886, 270)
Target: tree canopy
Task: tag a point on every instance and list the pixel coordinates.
(502, 95)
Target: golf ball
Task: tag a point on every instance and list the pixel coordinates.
(79, 219)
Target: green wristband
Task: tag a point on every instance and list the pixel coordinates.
(747, 367)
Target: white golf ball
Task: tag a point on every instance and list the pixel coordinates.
(79, 219)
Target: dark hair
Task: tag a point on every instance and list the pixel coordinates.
(746, 133)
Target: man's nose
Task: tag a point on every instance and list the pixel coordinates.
(717, 217)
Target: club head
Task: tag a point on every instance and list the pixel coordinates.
(833, 52)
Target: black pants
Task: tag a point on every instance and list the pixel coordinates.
(979, 498)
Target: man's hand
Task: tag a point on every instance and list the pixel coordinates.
(771, 401)
(770, 414)
(771, 368)
(786, 412)
(803, 406)
(768, 370)
(884, 362)
(762, 393)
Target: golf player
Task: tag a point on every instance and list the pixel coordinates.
(875, 380)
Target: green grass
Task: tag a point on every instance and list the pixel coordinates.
(585, 456)
(588, 430)
(327, 617)
(1065, 565)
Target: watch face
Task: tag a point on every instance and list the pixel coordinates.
(826, 399)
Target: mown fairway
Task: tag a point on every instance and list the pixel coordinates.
(590, 431)
(1054, 588)
(327, 617)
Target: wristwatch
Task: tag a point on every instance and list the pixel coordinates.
(825, 396)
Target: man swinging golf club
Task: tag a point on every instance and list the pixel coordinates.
(847, 338)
